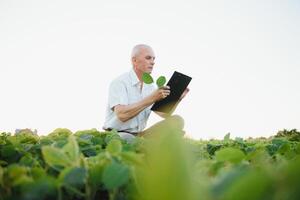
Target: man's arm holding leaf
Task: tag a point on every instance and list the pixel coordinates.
(126, 112)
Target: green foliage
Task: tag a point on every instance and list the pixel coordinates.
(114, 147)
(168, 173)
(212, 148)
(91, 165)
(55, 157)
(253, 184)
(43, 188)
(230, 154)
(115, 175)
(71, 149)
(292, 135)
(73, 177)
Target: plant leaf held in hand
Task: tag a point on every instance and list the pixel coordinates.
(161, 81)
(147, 78)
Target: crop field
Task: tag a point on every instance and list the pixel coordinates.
(93, 165)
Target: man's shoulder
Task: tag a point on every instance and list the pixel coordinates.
(121, 79)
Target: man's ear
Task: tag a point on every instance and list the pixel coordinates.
(133, 60)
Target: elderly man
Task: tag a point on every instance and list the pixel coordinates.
(130, 100)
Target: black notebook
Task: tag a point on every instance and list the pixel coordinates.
(177, 83)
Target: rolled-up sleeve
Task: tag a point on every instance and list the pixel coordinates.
(117, 94)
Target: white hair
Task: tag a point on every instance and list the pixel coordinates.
(137, 48)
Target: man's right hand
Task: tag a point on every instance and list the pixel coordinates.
(160, 93)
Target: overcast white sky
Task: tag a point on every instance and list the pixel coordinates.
(57, 59)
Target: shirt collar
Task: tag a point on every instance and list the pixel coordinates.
(133, 77)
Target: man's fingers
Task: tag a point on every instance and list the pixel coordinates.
(166, 87)
(166, 92)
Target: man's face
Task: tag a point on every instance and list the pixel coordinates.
(144, 61)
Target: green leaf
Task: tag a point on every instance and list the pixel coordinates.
(224, 182)
(18, 175)
(9, 152)
(40, 189)
(132, 158)
(168, 172)
(254, 184)
(72, 150)
(38, 173)
(212, 148)
(28, 160)
(22, 180)
(114, 147)
(115, 175)
(284, 148)
(55, 157)
(60, 133)
(230, 154)
(147, 78)
(74, 177)
(215, 167)
(161, 81)
(14, 171)
(278, 142)
(95, 175)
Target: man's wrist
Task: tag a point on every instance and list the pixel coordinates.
(149, 100)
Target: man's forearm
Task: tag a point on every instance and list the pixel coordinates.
(126, 112)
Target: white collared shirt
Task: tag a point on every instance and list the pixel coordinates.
(125, 90)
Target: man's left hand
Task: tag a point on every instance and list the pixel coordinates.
(184, 93)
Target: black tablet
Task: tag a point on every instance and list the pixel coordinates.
(178, 83)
